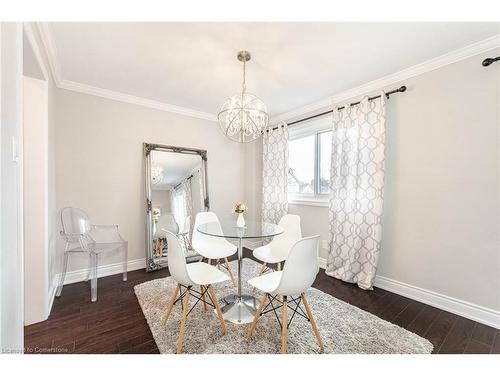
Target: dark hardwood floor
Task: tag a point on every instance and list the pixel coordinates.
(115, 323)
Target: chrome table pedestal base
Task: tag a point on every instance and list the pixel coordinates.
(239, 308)
(238, 312)
(248, 300)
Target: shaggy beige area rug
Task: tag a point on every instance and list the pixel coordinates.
(344, 328)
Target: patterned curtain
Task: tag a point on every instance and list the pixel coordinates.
(188, 198)
(356, 195)
(275, 174)
(178, 205)
(172, 201)
(182, 203)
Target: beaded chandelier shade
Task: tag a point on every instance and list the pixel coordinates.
(243, 117)
(157, 174)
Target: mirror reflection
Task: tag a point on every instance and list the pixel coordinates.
(177, 194)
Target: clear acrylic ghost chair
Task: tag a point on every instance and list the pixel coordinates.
(286, 289)
(187, 276)
(277, 250)
(83, 237)
(210, 247)
(184, 233)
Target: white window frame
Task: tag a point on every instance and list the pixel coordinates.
(313, 127)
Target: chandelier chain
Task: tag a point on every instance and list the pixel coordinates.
(244, 86)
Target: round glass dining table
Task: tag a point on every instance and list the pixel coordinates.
(239, 308)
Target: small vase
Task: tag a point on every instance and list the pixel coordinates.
(241, 221)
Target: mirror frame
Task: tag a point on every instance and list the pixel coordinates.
(151, 264)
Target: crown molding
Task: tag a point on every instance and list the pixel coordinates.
(50, 51)
(378, 84)
(131, 99)
(35, 47)
(55, 68)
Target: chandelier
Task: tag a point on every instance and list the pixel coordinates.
(243, 117)
(156, 174)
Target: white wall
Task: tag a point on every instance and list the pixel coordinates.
(100, 167)
(35, 200)
(11, 260)
(441, 222)
(35, 65)
(441, 214)
(53, 221)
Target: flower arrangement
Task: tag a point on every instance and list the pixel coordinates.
(239, 208)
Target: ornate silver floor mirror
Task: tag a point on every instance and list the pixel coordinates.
(175, 191)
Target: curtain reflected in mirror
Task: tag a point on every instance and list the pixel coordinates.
(175, 192)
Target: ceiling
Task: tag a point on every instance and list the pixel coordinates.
(193, 65)
(31, 67)
(176, 166)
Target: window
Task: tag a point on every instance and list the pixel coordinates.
(301, 165)
(179, 209)
(309, 160)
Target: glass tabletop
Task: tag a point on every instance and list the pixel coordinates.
(228, 229)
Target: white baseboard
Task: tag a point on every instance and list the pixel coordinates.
(104, 270)
(456, 306)
(52, 293)
(463, 308)
(322, 263)
(79, 275)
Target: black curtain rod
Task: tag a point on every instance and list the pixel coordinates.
(490, 60)
(180, 183)
(387, 94)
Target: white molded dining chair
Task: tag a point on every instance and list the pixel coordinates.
(277, 250)
(167, 222)
(187, 276)
(211, 247)
(83, 237)
(297, 276)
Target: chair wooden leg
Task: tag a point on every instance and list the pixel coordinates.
(202, 290)
(279, 269)
(313, 322)
(182, 330)
(209, 261)
(217, 308)
(257, 315)
(230, 271)
(170, 304)
(284, 324)
(262, 269)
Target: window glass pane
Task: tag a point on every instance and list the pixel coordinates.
(325, 144)
(301, 165)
